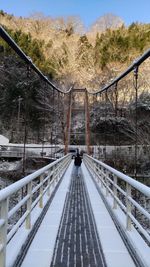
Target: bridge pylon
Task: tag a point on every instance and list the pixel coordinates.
(84, 110)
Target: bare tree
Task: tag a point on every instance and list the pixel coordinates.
(108, 21)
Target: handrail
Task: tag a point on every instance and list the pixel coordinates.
(109, 179)
(35, 186)
(11, 189)
(135, 64)
(28, 60)
(137, 185)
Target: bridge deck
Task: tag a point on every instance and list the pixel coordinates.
(76, 229)
(77, 241)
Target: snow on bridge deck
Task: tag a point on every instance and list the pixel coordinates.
(41, 250)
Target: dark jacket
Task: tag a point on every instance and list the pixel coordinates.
(77, 160)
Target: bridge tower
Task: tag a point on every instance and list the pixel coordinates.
(71, 110)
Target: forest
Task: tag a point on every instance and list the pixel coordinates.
(69, 56)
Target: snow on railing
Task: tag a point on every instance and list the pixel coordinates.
(32, 189)
(132, 196)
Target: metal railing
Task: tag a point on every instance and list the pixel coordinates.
(33, 188)
(130, 195)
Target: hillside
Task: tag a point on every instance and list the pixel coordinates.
(68, 55)
(63, 50)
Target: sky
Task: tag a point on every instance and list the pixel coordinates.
(88, 10)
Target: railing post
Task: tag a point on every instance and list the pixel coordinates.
(49, 184)
(129, 207)
(53, 176)
(41, 192)
(3, 232)
(102, 177)
(60, 168)
(63, 166)
(115, 192)
(56, 173)
(97, 171)
(92, 165)
(99, 174)
(107, 183)
(29, 203)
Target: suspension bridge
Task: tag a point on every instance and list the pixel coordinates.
(100, 217)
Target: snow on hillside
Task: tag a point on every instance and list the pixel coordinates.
(3, 140)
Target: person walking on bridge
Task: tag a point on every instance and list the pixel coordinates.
(77, 163)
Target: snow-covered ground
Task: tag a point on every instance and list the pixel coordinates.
(6, 167)
(3, 140)
(4, 182)
(9, 166)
